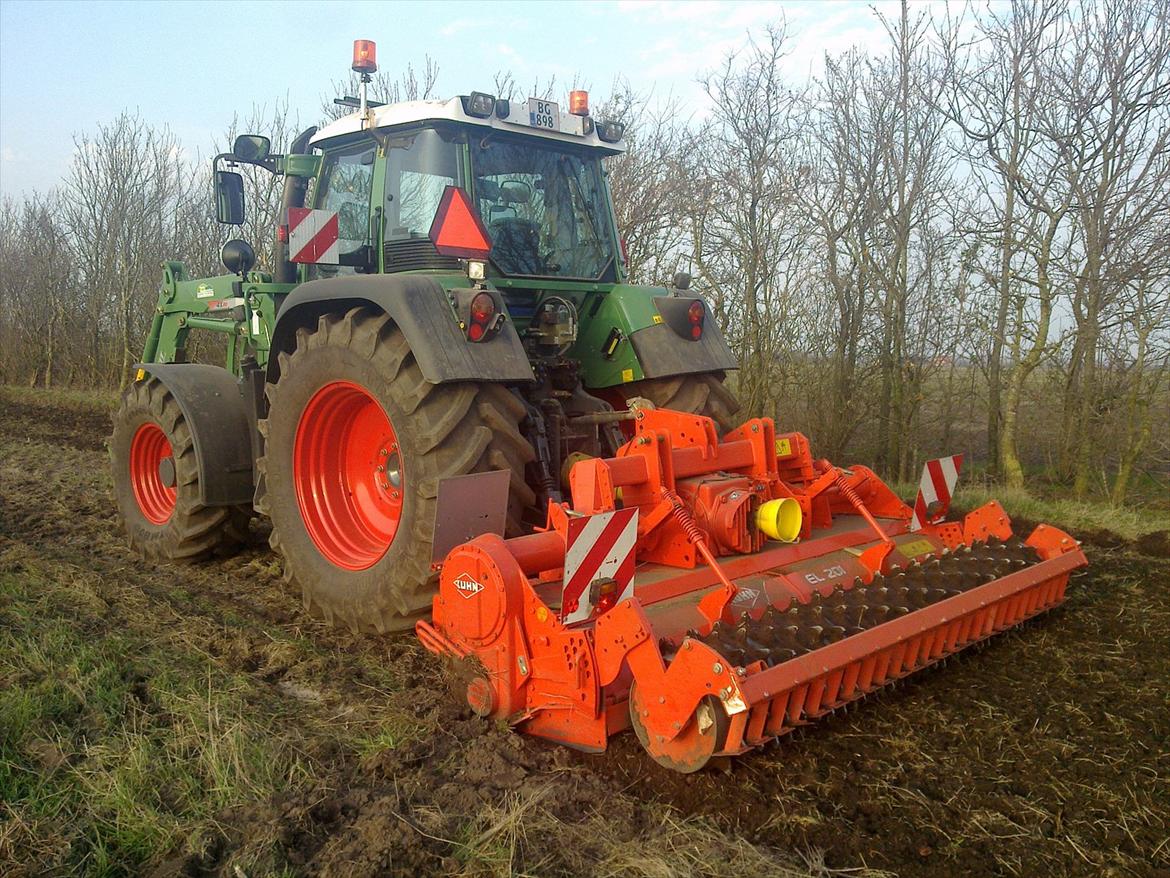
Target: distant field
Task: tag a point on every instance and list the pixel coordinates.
(172, 721)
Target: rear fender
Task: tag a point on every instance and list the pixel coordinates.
(422, 309)
(213, 406)
(629, 333)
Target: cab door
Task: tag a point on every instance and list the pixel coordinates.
(347, 185)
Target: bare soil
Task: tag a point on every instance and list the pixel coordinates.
(1044, 752)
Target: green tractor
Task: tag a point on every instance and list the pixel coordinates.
(448, 297)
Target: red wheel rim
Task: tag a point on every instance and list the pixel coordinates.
(148, 449)
(347, 469)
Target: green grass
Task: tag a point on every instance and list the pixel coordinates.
(114, 748)
(1128, 522)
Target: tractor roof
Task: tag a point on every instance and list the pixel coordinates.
(572, 128)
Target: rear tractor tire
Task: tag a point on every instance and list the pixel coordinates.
(156, 482)
(701, 394)
(356, 443)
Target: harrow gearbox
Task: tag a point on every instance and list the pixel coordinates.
(714, 594)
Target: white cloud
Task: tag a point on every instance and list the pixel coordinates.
(458, 25)
(8, 154)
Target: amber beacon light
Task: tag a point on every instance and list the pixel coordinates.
(365, 56)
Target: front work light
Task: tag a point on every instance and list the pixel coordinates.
(365, 56)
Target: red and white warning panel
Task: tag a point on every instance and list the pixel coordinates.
(935, 490)
(599, 562)
(312, 236)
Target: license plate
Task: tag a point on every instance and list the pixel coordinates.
(544, 114)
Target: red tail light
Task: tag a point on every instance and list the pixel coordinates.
(695, 315)
(483, 311)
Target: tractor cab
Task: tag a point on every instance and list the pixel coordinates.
(533, 175)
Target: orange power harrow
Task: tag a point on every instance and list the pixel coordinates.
(715, 594)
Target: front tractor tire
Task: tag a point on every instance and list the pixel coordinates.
(356, 443)
(156, 482)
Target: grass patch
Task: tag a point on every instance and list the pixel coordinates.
(112, 747)
(508, 840)
(1128, 522)
(100, 400)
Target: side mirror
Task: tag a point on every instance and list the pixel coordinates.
(229, 197)
(238, 257)
(251, 147)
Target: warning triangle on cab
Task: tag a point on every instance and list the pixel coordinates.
(457, 229)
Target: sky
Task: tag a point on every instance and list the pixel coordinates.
(67, 67)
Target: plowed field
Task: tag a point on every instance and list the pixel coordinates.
(195, 721)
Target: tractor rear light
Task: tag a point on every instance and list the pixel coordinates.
(696, 314)
(483, 308)
(479, 104)
(365, 57)
(282, 234)
(579, 103)
(483, 315)
(610, 132)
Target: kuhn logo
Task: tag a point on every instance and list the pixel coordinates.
(467, 586)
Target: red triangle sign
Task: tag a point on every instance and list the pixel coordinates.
(457, 229)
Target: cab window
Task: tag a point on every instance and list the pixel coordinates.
(345, 188)
(544, 208)
(419, 166)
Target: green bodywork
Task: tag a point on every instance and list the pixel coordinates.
(245, 308)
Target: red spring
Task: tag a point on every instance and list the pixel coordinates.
(848, 492)
(683, 516)
(695, 535)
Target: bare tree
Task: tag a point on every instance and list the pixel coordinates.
(119, 208)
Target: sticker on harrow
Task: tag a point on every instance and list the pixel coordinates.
(467, 586)
(934, 492)
(599, 562)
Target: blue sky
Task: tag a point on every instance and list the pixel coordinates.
(66, 67)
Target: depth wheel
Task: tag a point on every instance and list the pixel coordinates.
(692, 748)
(357, 442)
(156, 482)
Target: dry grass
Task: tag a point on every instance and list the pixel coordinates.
(525, 836)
